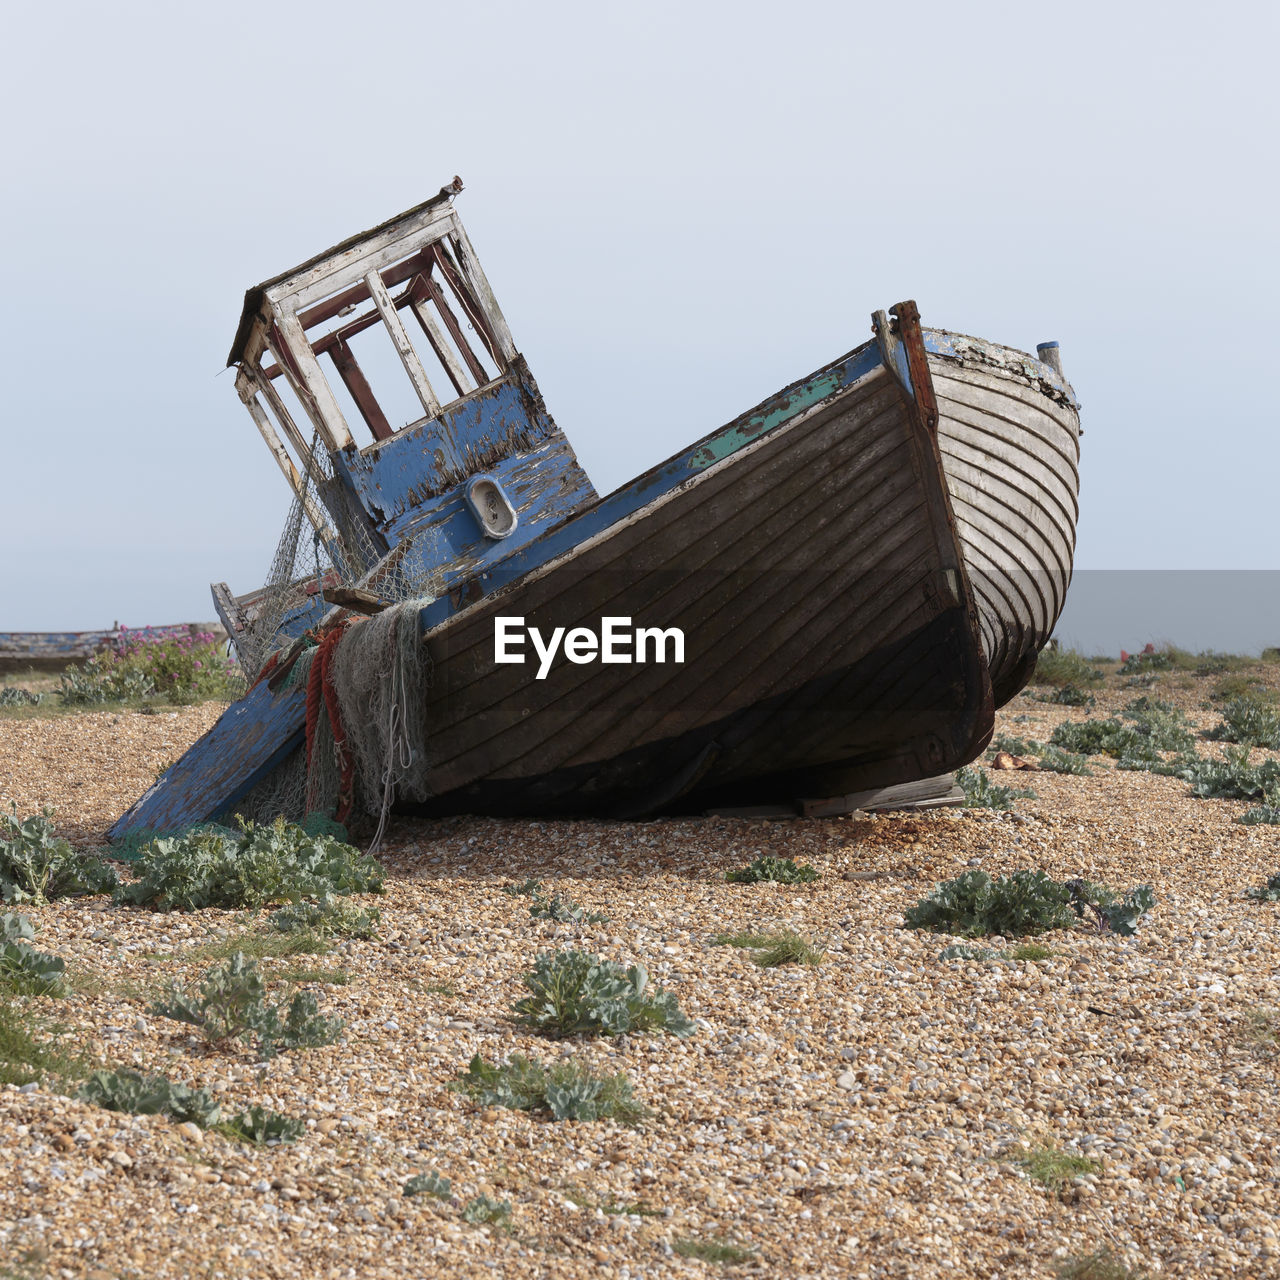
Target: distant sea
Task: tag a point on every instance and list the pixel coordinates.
(1230, 610)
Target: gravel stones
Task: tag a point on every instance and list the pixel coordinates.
(864, 1118)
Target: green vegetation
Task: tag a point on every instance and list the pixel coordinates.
(965, 951)
(428, 1184)
(981, 793)
(1154, 727)
(24, 970)
(330, 917)
(1269, 892)
(1102, 1264)
(531, 888)
(1063, 667)
(37, 866)
(1069, 695)
(573, 993)
(1025, 902)
(1265, 814)
(482, 1211)
(1030, 951)
(711, 1250)
(1260, 1031)
(772, 949)
(1054, 1168)
(1233, 777)
(171, 664)
(262, 1128)
(147, 1095)
(1249, 720)
(778, 870)
(565, 1090)
(231, 1004)
(563, 911)
(257, 946)
(212, 866)
(30, 1049)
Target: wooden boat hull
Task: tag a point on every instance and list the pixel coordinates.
(1009, 436)
(830, 642)
(862, 568)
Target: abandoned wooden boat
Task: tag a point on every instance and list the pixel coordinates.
(813, 600)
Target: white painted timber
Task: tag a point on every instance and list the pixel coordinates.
(329, 419)
(473, 274)
(343, 270)
(404, 348)
(442, 347)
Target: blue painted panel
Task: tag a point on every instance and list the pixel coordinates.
(250, 738)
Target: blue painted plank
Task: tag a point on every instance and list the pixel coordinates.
(250, 738)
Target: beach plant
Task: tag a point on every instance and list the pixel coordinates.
(37, 866)
(15, 696)
(213, 866)
(1233, 777)
(1269, 892)
(31, 1049)
(1271, 653)
(231, 1004)
(1103, 1263)
(23, 969)
(262, 1127)
(1108, 911)
(1265, 814)
(428, 1184)
(1053, 1168)
(329, 917)
(981, 793)
(769, 950)
(573, 993)
(1250, 721)
(1024, 902)
(1142, 663)
(1069, 695)
(482, 1211)
(564, 911)
(145, 1095)
(531, 888)
(777, 870)
(974, 904)
(562, 1089)
(175, 664)
(712, 1249)
(1063, 667)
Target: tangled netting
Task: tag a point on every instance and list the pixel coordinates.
(342, 551)
(364, 747)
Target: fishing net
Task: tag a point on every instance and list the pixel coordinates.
(327, 542)
(365, 746)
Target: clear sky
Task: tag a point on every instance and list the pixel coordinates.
(681, 208)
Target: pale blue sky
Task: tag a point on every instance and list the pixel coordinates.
(680, 207)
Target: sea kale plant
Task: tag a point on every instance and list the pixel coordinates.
(23, 969)
(573, 993)
(329, 917)
(1024, 902)
(231, 1004)
(37, 866)
(1233, 777)
(563, 1089)
(778, 870)
(146, 1095)
(981, 793)
(212, 866)
(172, 663)
(1269, 892)
(1249, 721)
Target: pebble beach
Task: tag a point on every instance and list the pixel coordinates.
(875, 1115)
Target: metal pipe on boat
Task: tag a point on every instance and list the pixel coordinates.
(1049, 353)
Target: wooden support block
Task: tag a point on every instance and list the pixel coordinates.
(355, 599)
